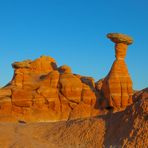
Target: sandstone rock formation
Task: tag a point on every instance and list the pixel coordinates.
(42, 91)
(127, 129)
(117, 86)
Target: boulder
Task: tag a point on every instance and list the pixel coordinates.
(65, 69)
(44, 64)
(120, 38)
(23, 64)
(88, 95)
(70, 87)
(51, 79)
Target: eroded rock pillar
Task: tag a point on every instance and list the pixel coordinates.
(117, 86)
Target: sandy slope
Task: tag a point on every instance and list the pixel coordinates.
(122, 129)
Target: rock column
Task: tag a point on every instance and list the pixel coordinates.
(117, 86)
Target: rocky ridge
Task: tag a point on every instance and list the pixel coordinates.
(40, 90)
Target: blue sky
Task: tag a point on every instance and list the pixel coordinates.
(74, 33)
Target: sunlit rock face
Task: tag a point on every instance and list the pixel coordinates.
(117, 85)
(41, 91)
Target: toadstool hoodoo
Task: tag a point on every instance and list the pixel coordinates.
(117, 86)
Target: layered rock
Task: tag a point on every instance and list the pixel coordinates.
(127, 129)
(41, 91)
(117, 85)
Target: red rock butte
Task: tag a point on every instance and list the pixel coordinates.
(42, 91)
